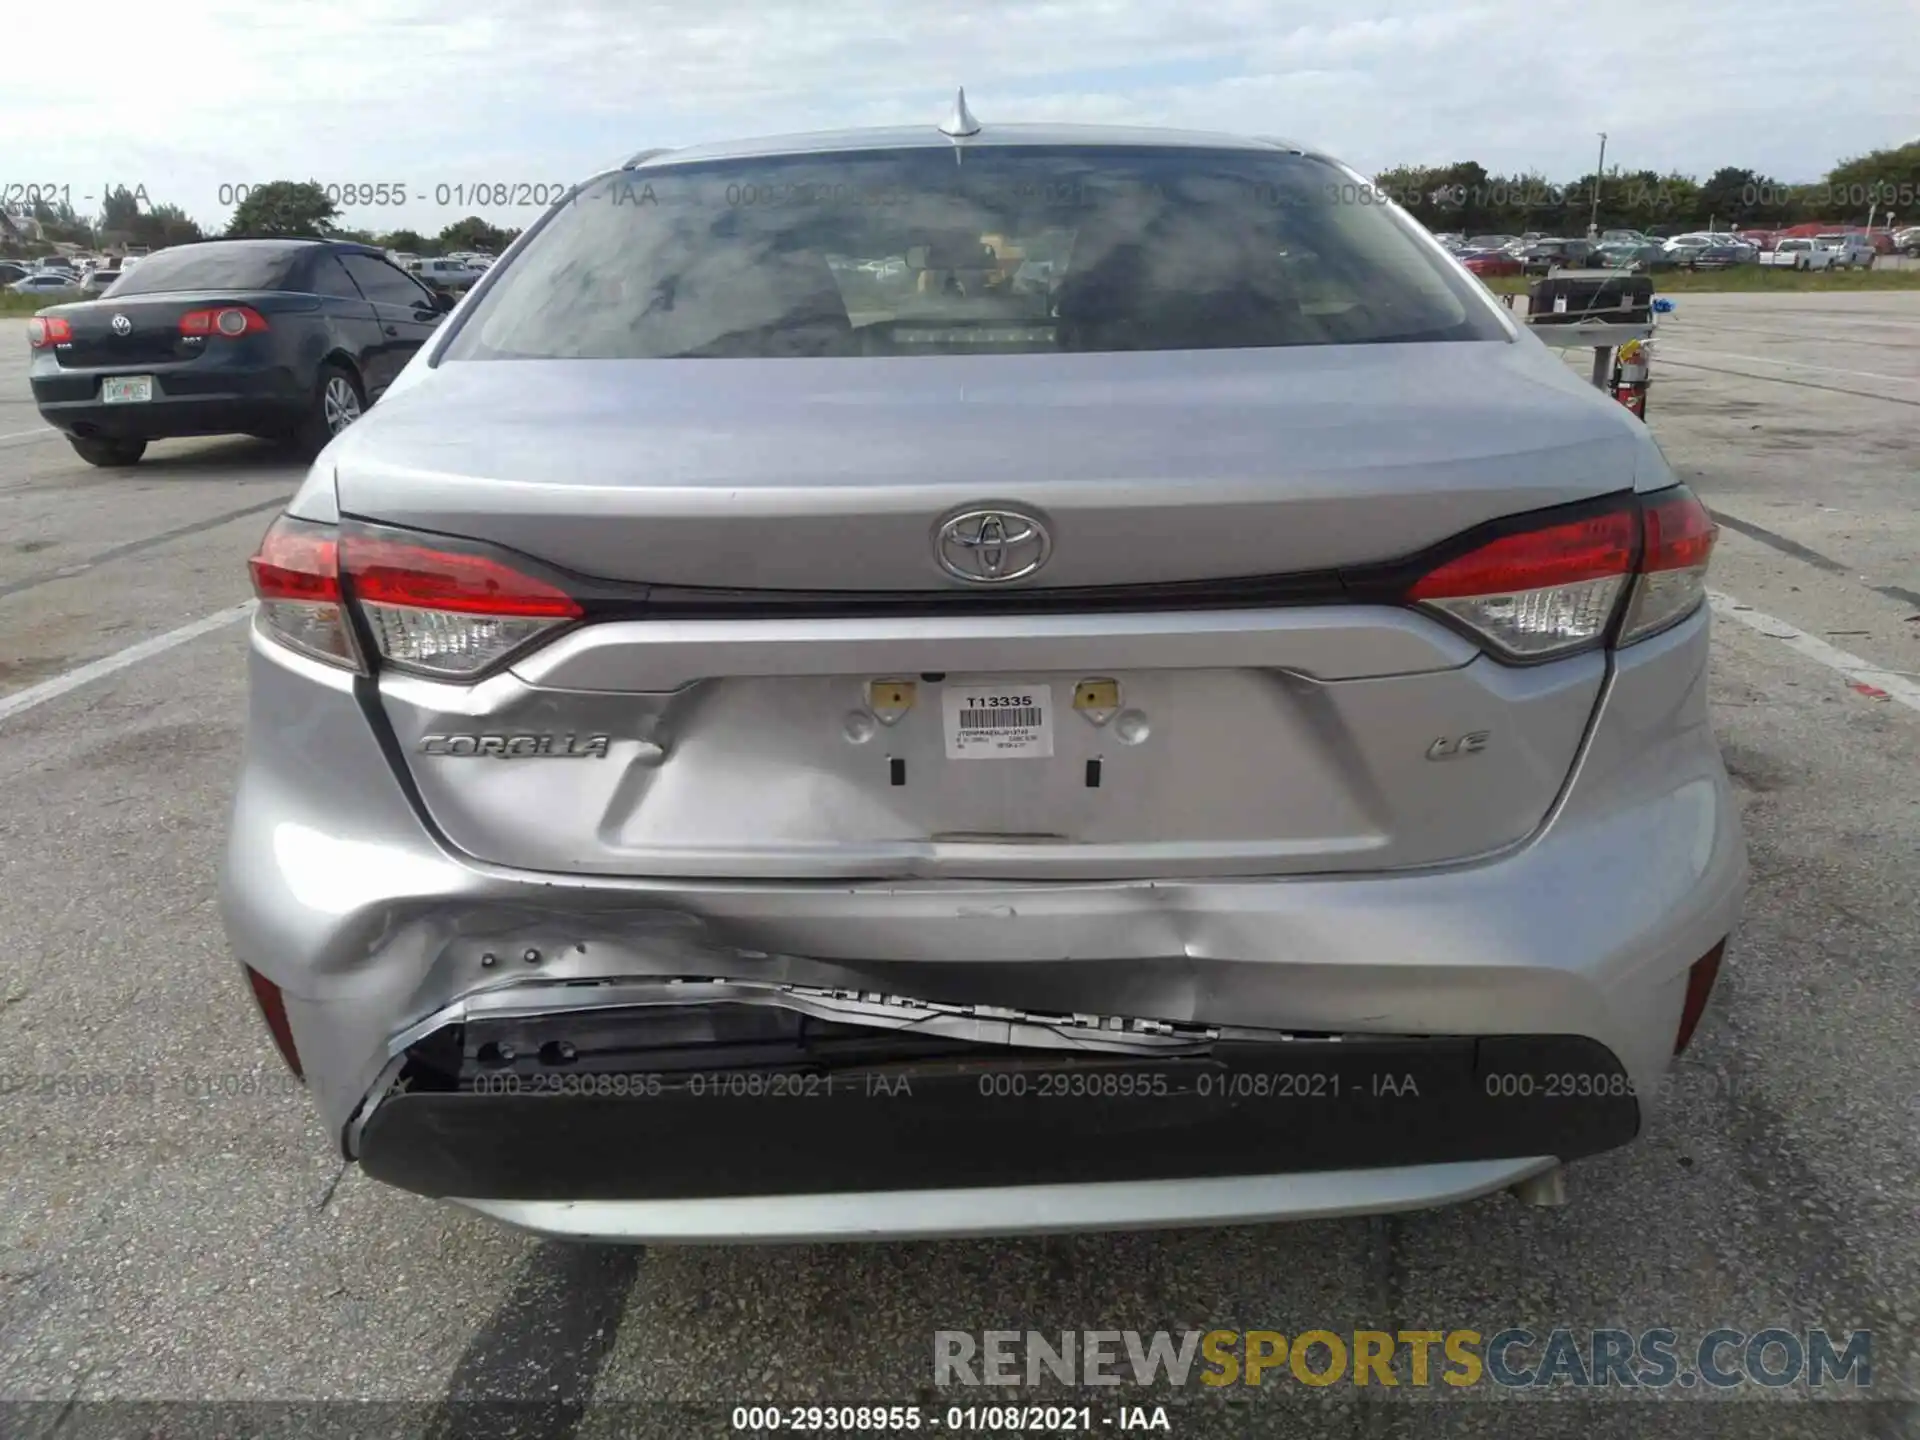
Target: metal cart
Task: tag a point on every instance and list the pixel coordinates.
(1620, 352)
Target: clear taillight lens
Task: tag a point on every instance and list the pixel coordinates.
(1673, 568)
(448, 613)
(1538, 593)
(443, 643)
(296, 575)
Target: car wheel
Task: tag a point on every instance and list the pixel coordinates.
(338, 401)
(108, 454)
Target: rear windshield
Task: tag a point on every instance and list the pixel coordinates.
(209, 267)
(977, 251)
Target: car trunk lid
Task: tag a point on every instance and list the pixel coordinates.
(831, 474)
(920, 734)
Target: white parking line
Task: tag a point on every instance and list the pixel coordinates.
(1682, 347)
(1863, 675)
(60, 684)
(45, 432)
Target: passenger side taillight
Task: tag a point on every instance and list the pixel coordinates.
(440, 612)
(1673, 563)
(296, 574)
(1539, 593)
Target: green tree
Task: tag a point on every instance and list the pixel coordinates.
(1648, 200)
(1733, 200)
(409, 241)
(165, 225)
(120, 209)
(1459, 195)
(284, 208)
(124, 222)
(1889, 179)
(60, 222)
(473, 233)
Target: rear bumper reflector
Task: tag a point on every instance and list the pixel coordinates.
(1700, 977)
(273, 1009)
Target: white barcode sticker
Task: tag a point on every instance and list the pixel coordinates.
(998, 720)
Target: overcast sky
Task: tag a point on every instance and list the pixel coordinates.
(185, 96)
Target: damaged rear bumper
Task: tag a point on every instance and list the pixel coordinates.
(635, 1097)
(379, 936)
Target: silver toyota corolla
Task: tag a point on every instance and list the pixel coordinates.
(973, 680)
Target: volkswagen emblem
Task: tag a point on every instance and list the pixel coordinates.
(121, 325)
(992, 547)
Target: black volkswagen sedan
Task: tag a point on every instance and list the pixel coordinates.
(285, 339)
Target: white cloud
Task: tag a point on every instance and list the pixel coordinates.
(186, 97)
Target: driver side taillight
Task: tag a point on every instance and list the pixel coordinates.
(45, 330)
(452, 614)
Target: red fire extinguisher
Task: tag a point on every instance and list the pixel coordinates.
(1630, 376)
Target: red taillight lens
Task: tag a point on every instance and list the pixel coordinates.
(296, 575)
(393, 572)
(231, 321)
(1579, 550)
(1700, 978)
(1673, 566)
(273, 1009)
(447, 613)
(45, 330)
(1538, 593)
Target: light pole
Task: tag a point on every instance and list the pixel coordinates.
(1593, 219)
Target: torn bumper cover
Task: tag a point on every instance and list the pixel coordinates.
(690, 1089)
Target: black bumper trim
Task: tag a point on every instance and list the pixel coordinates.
(960, 1115)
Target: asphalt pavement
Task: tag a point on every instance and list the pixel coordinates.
(174, 1226)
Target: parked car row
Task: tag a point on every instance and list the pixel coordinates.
(61, 277)
(1533, 254)
(455, 274)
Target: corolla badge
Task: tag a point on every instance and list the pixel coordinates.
(519, 747)
(992, 547)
